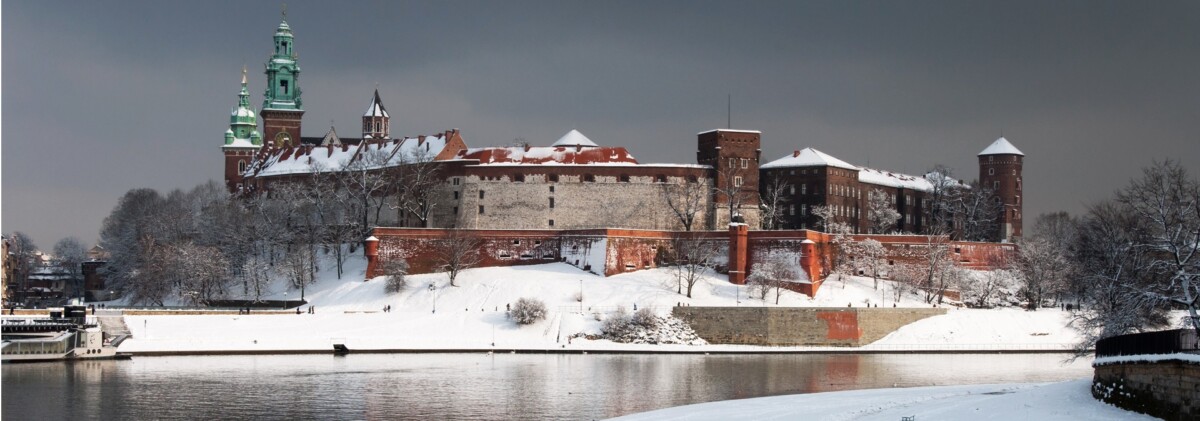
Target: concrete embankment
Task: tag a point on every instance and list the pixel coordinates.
(798, 326)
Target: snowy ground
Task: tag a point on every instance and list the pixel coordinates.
(472, 315)
(1070, 400)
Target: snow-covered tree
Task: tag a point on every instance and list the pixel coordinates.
(528, 311)
(881, 212)
(691, 256)
(868, 257)
(395, 269)
(1044, 270)
(458, 251)
(772, 275)
(975, 211)
(1167, 200)
(775, 195)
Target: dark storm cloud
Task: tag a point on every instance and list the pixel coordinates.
(100, 98)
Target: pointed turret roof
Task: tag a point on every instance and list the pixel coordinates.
(331, 138)
(1001, 147)
(376, 109)
(808, 157)
(575, 138)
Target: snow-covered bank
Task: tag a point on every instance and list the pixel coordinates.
(1048, 401)
(472, 316)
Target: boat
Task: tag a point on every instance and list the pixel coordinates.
(57, 338)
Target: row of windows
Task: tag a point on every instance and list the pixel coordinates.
(586, 178)
(733, 162)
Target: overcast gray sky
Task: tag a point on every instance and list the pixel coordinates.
(103, 97)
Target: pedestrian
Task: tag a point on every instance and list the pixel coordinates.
(507, 308)
(634, 306)
(297, 310)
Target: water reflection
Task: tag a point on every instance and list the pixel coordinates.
(478, 386)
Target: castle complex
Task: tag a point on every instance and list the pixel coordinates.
(577, 184)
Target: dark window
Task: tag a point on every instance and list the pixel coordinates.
(588, 178)
(551, 222)
(284, 85)
(551, 189)
(520, 178)
(481, 194)
(624, 178)
(551, 203)
(660, 178)
(481, 209)
(456, 210)
(455, 195)
(516, 242)
(553, 179)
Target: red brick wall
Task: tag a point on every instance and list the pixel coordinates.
(631, 250)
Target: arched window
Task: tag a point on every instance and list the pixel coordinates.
(242, 166)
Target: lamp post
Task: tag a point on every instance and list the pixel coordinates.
(434, 292)
(580, 296)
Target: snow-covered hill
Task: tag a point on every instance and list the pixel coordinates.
(472, 315)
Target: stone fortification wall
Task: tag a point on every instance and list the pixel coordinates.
(776, 326)
(1165, 389)
(572, 201)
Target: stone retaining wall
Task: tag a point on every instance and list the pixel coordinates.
(1166, 389)
(793, 326)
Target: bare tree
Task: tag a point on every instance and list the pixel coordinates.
(1114, 269)
(458, 251)
(867, 256)
(733, 188)
(24, 252)
(1168, 202)
(770, 276)
(692, 256)
(1044, 270)
(881, 212)
(418, 180)
(71, 253)
(775, 195)
(976, 212)
(685, 200)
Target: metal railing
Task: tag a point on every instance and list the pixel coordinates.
(1149, 343)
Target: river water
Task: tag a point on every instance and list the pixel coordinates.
(475, 386)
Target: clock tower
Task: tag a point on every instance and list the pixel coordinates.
(282, 107)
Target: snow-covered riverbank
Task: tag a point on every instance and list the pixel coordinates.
(1070, 400)
(472, 316)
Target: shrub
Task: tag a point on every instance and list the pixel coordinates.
(528, 311)
(395, 271)
(618, 323)
(645, 318)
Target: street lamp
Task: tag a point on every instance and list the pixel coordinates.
(580, 296)
(434, 292)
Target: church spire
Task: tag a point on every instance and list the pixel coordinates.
(282, 108)
(243, 124)
(376, 121)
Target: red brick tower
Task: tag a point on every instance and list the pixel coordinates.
(1000, 170)
(734, 156)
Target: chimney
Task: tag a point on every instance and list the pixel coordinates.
(796, 154)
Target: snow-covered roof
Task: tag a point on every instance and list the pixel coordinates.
(385, 154)
(1001, 147)
(376, 109)
(808, 157)
(574, 138)
(891, 179)
(729, 130)
(550, 155)
(241, 143)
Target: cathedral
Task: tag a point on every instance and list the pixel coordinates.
(576, 183)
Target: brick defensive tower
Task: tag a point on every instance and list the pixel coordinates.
(1000, 170)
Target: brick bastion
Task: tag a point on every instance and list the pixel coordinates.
(799, 326)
